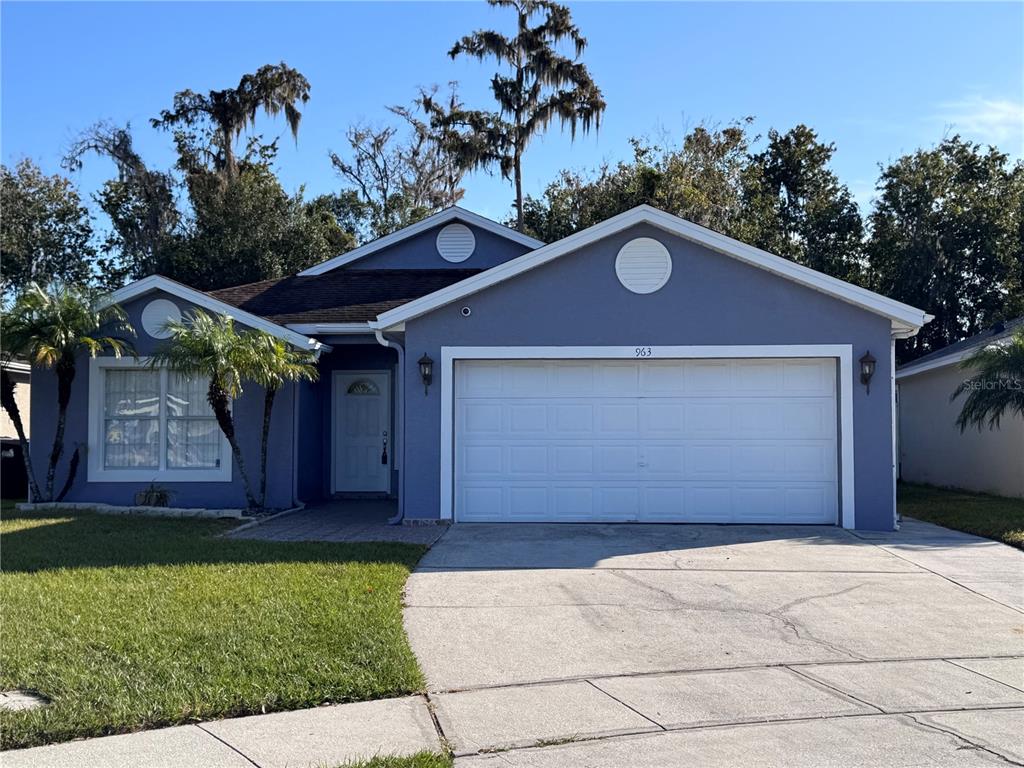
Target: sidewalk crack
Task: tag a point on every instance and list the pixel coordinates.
(228, 744)
(964, 739)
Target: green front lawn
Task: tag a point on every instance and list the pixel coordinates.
(127, 623)
(994, 517)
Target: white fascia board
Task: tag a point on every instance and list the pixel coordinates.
(442, 217)
(339, 329)
(953, 358)
(206, 301)
(931, 365)
(905, 316)
(16, 366)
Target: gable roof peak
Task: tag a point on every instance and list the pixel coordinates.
(906, 320)
(452, 213)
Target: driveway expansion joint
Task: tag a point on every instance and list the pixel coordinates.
(790, 665)
(627, 706)
(762, 722)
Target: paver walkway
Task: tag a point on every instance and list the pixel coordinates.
(342, 521)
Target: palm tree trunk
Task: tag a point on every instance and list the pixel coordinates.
(221, 405)
(268, 405)
(10, 404)
(65, 370)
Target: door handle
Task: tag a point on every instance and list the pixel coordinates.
(384, 450)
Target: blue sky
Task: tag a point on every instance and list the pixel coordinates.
(878, 79)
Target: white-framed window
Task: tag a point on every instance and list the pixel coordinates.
(152, 424)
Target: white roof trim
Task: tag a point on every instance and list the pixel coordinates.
(16, 366)
(206, 301)
(455, 213)
(953, 358)
(904, 317)
(313, 329)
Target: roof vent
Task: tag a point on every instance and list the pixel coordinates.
(456, 243)
(643, 265)
(157, 314)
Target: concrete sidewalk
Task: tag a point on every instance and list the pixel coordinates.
(323, 737)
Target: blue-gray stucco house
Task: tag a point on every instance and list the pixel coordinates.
(644, 369)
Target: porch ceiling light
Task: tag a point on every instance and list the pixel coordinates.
(867, 370)
(426, 371)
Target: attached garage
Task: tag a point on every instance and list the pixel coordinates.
(719, 440)
(647, 369)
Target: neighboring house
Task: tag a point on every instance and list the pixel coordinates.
(644, 369)
(13, 480)
(21, 375)
(932, 447)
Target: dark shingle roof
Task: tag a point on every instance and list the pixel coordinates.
(995, 333)
(339, 296)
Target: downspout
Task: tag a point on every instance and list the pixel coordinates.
(399, 422)
(295, 443)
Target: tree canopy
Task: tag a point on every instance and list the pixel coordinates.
(45, 230)
(538, 85)
(945, 231)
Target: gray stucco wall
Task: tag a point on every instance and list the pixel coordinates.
(933, 449)
(420, 252)
(710, 299)
(248, 412)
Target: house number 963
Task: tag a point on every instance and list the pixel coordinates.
(643, 351)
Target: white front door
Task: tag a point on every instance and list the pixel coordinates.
(362, 431)
(702, 440)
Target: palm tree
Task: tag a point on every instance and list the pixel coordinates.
(209, 346)
(276, 363)
(541, 85)
(50, 328)
(997, 387)
(274, 88)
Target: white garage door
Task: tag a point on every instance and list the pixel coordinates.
(719, 441)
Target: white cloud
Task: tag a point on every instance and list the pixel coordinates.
(991, 121)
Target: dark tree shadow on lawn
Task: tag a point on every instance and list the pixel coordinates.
(84, 540)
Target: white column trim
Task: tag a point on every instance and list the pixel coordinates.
(843, 353)
(895, 435)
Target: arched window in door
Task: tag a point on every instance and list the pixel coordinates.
(362, 387)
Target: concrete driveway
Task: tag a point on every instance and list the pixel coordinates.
(626, 645)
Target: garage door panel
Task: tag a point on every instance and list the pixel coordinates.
(658, 440)
(808, 377)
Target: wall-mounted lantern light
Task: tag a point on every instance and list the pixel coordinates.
(867, 370)
(426, 371)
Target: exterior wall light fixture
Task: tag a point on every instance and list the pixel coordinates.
(426, 371)
(867, 370)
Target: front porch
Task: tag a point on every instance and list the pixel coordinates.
(347, 424)
(343, 520)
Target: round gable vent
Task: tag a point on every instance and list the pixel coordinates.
(156, 314)
(643, 265)
(456, 243)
